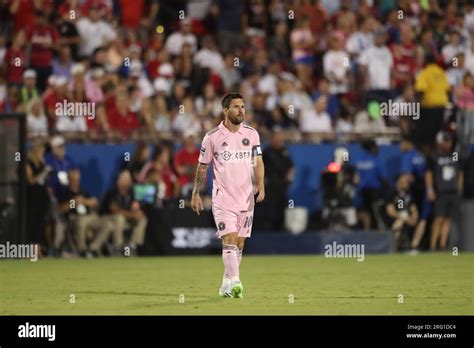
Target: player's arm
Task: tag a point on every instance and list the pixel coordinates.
(259, 178)
(196, 202)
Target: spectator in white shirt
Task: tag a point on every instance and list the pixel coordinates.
(36, 120)
(376, 63)
(452, 49)
(316, 119)
(94, 32)
(362, 39)
(336, 65)
(186, 120)
(174, 43)
(208, 56)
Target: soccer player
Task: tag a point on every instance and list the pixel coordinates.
(234, 150)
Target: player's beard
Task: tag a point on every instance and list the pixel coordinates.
(235, 120)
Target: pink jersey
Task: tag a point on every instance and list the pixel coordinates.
(232, 157)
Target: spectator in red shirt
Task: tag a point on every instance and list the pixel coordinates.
(15, 59)
(56, 94)
(43, 38)
(185, 162)
(119, 116)
(23, 12)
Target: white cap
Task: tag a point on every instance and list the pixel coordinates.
(57, 140)
(166, 70)
(30, 73)
(189, 133)
(60, 81)
(77, 69)
(162, 85)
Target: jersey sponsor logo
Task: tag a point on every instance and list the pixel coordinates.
(203, 151)
(235, 156)
(245, 142)
(221, 226)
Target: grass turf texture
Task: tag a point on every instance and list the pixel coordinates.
(431, 284)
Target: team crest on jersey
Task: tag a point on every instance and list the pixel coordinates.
(221, 226)
(245, 141)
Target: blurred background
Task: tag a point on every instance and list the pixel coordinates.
(316, 77)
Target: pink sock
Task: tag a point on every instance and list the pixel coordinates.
(231, 261)
(239, 255)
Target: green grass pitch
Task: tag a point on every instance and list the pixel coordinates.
(430, 284)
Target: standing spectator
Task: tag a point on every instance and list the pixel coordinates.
(453, 48)
(37, 197)
(15, 59)
(432, 87)
(336, 65)
(174, 43)
(377, 63)
(229, 17)
(465, 115)
(302, 46)
(119, 208)
(444, 183)
(372, 181)
(362, 39)
(94, 31)
(43, 39)
(69, 35)
(316, 120)
(278, 176)
(23, 12)
(185, 160)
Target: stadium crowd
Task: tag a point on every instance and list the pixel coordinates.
(155, 71)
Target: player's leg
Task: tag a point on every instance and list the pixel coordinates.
(231, 262)
(240, 245)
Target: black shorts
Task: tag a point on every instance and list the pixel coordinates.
(369, 197)
(446, 205)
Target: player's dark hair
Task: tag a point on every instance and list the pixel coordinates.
(228, 99)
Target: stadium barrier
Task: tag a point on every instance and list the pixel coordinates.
(99, 164)
(182, 232)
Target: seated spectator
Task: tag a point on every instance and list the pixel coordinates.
(29, 90)
(402, 212)
(316, 120)
(161, 114)
(160, 164)
(78, 207)
(119, 208)
(63, 63)
(185, 118)
(332, 102)
(369, 121)
(185, 162)
(36, 120)
(174, 43)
